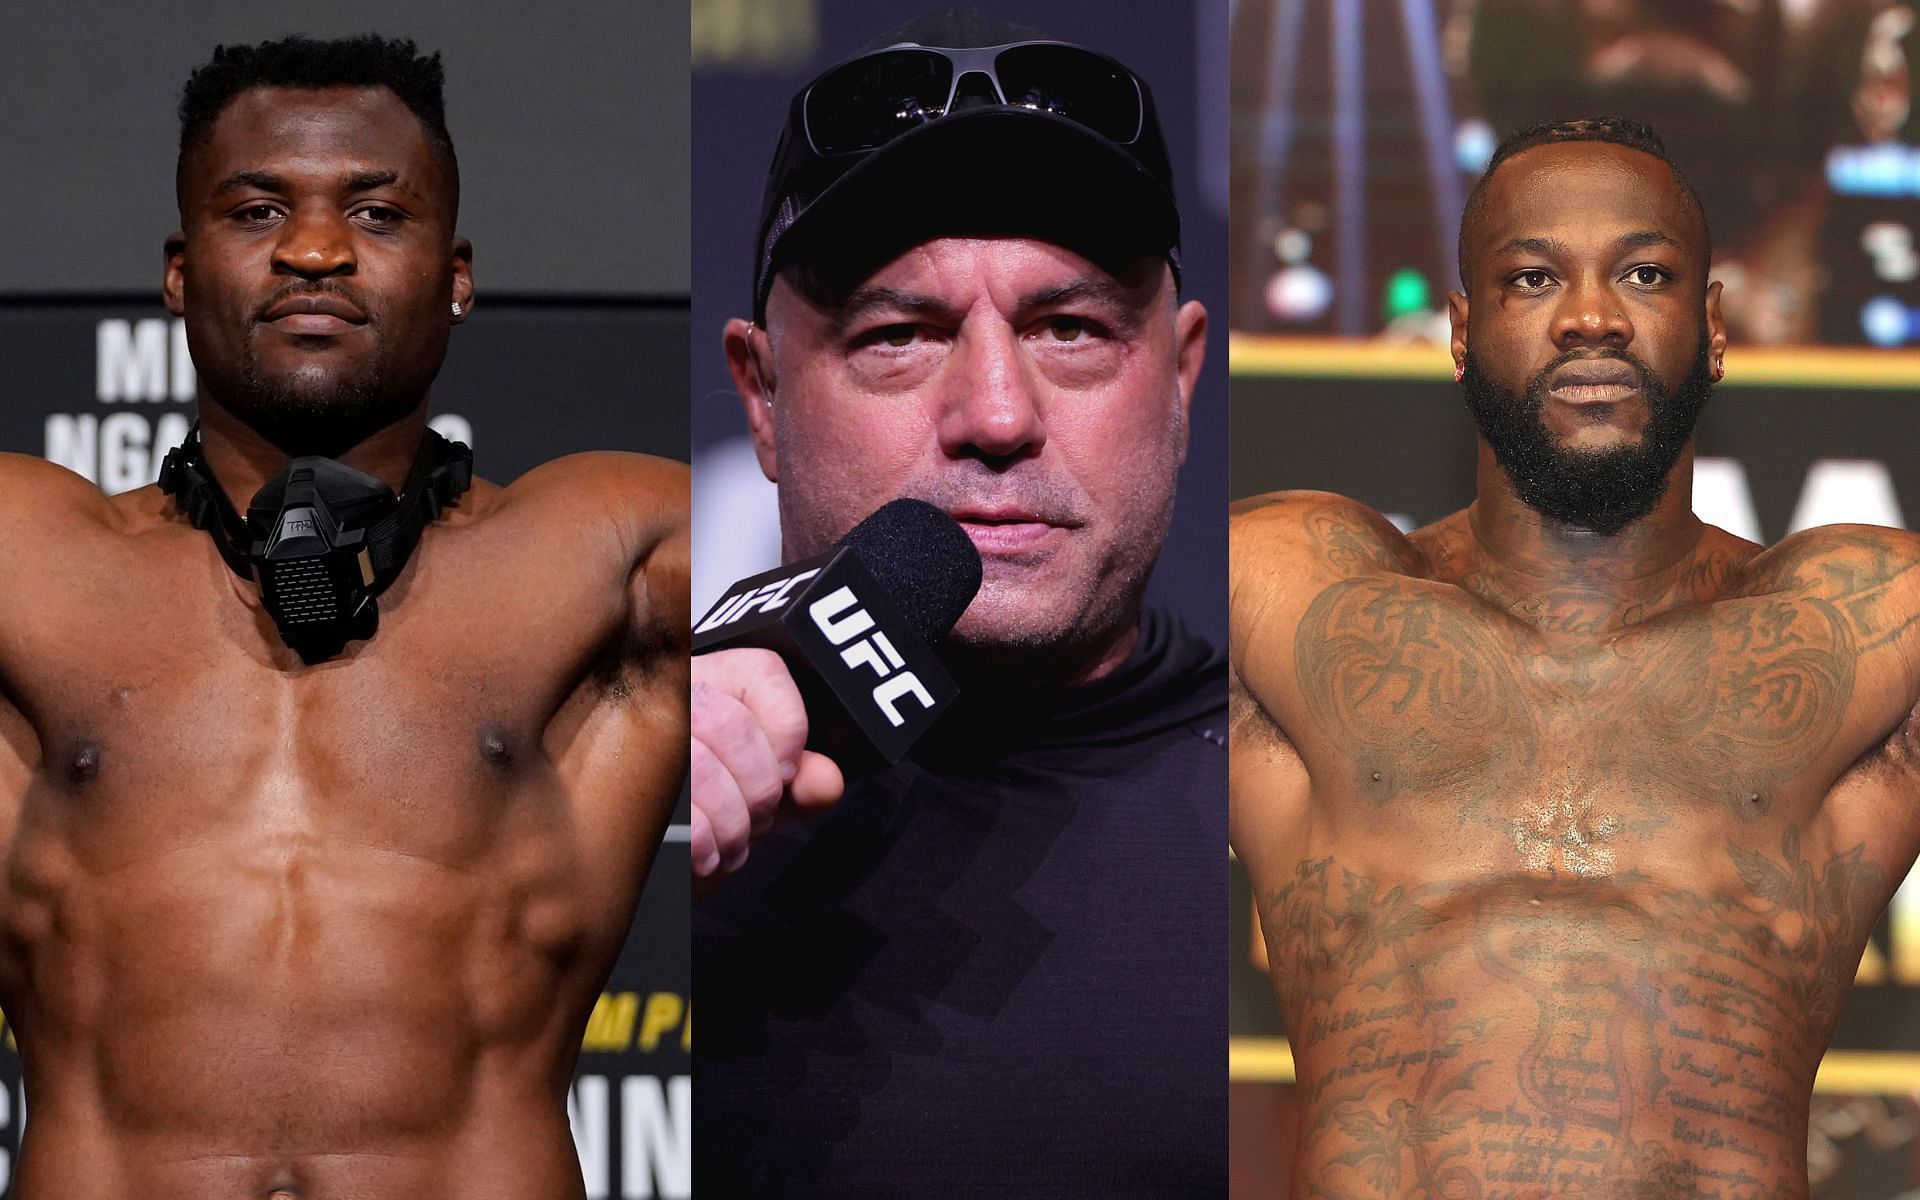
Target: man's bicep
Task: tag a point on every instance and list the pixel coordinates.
(620, 743)
(1271, 580)
(19, 754)
(1268, 788)
(660, 605)
(47, 512)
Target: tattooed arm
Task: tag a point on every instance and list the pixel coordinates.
(1865, 576)
(1286, 547)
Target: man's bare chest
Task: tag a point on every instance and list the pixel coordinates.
(1736, 704)
(174, 701)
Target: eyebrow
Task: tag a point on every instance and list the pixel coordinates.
(1643, 238)
(1105, 293)
(366, 181)
(1637, 240)
(867, 299)
(267, 181)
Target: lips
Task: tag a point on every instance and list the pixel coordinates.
(313, 313)
(1594, 381)
(1004, 529)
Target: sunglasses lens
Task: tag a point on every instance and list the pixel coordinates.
(871, 101)
(1073, 83)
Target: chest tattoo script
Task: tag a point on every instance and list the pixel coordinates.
(1621, 1039)
(1426, 688)
(1576, 1024)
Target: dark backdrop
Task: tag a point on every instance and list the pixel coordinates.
(571, 126)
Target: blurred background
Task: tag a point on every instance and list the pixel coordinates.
(571, 127)
(1358, 127)
(751, 56)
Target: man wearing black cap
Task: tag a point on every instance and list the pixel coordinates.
(996, 967)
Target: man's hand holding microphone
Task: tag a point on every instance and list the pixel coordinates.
(819, 670)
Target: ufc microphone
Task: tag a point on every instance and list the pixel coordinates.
(854, 624)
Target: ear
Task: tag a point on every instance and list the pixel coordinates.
(173, 285)
(1716, 332)
(462, 279)
(1457, 317)
(750, 362)
(1190, 352)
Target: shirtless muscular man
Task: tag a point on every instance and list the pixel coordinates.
(308, 895)
(1569, 815)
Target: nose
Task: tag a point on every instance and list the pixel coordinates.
(1591, 312)
(314, 243)
(990, 407)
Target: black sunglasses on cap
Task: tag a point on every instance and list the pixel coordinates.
(864, 104)
(915, 141)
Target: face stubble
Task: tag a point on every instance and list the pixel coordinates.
(316, 407)
(1602, 491)
(316, 394)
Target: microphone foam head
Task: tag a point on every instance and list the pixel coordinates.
(923, 558)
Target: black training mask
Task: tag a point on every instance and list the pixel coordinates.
(321, 539)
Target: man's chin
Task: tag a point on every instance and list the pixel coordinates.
(1597, 443)
(1013, 620)
(1032, 634)
(317, 422)
(1598, 492)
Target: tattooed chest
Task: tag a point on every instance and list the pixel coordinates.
(1423, 691)
(1635, 1036)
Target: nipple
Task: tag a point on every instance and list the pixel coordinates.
(85, 764)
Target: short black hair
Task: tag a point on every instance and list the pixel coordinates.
(1618, 131)
(367, 60)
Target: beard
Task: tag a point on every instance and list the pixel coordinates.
(317, 409)
(1599, 490)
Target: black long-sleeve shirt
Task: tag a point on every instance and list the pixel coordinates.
(998, 968)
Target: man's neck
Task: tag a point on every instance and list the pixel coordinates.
(1517, 552)
(243, 461)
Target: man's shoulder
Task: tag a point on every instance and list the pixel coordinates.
(35, 493)
(1835, 561)
(1316, 534)
(646, 495)
(618, 476)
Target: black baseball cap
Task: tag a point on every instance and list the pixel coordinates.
(1074, 158)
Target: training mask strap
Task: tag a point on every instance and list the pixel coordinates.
(321, 539)
(441, 474)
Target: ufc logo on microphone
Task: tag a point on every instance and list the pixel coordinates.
(839, 616)
(766, 598)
